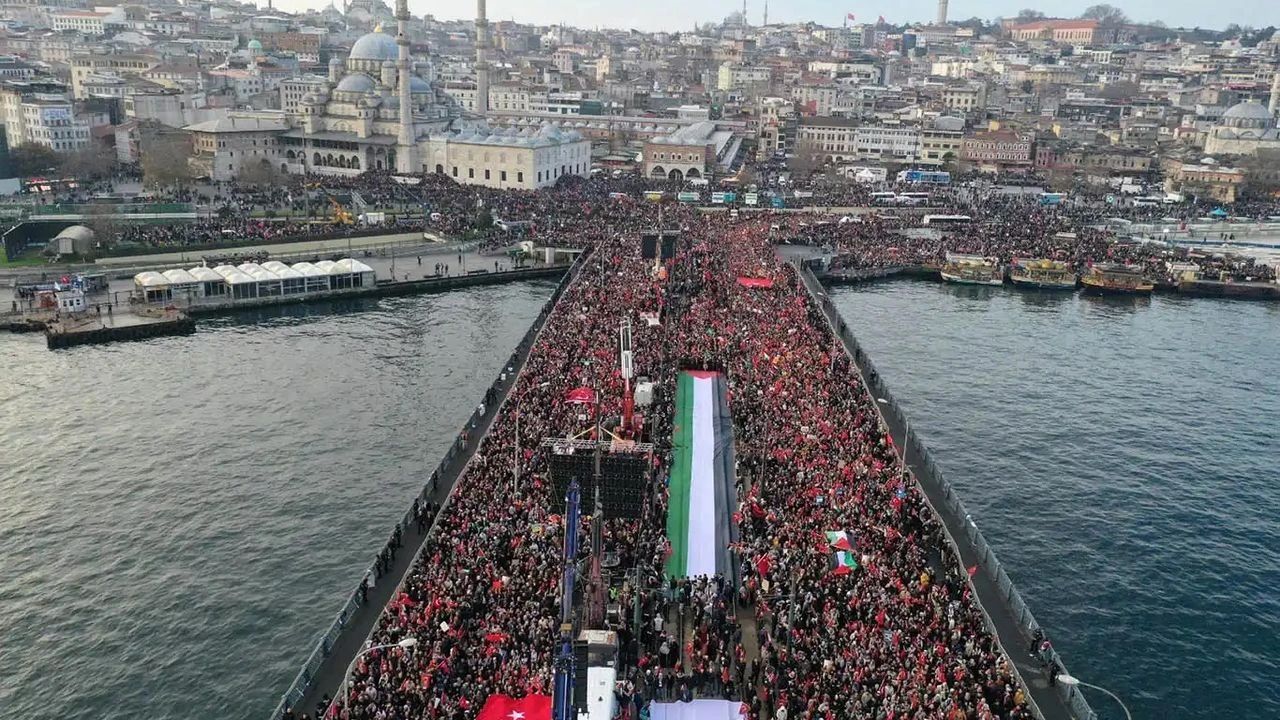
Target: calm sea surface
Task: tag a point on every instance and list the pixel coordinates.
(1123, 458)
(180, 518)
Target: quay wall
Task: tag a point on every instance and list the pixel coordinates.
(335, 649)
(1006, 613)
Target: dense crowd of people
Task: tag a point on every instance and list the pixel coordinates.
(901, 637)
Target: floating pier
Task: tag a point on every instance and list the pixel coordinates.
(92, 329)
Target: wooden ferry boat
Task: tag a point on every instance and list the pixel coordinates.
(972, 270)
(1042, 274)
(1116, 279)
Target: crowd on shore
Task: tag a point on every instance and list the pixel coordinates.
(900, 637)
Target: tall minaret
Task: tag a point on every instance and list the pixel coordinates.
(482, 60)
(1274, 105)
(406, 157)
(942, 12)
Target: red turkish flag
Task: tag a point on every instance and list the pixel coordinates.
(581, 395)
(530, 707)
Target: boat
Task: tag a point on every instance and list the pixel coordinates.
(972, 270)
(1116, 279)
(1042, 274)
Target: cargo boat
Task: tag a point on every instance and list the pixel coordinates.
(1042, 274)
(972, 270)
(1116, 279)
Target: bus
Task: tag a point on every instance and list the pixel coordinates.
(925, 177)
(1047, 198)
(912, 198)
(1148, 201)
(883, 198)
(946, 221)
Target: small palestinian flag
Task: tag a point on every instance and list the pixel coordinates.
(842, 563)
(839, 539)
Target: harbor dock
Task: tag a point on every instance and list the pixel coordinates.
(96, 328)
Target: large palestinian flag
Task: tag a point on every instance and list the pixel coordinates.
(702, 495)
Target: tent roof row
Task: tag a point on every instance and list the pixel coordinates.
(249, 272)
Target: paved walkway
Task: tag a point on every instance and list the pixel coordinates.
(1008, 629)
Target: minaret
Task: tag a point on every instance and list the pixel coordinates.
(766, 13)
(1274, 105)
(942, 12)
(406, 156)
(482, 60)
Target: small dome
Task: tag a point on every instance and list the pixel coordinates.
(357, 83)
(375, 46)
(255, 46)
(77, 232)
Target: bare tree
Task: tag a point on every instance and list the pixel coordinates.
(93, 161)
(1106, 15)
(165, 159)
(1027, 14)
(261, 173)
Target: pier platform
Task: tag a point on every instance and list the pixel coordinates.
(95, 328)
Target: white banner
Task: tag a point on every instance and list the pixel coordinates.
(696, 710)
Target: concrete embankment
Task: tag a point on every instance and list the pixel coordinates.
(327, 666)
(1007, 616)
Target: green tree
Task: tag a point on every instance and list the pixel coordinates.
(33, 160)
(1027, 15)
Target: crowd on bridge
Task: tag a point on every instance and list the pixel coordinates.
(900, 637)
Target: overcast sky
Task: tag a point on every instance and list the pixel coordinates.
(682, 14)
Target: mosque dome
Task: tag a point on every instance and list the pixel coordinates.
(1247, 115)
(375, 46)
(418, 85)
(357, 83)
(255, 46)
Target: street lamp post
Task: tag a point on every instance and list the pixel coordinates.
(407, 643)
(1071, 681)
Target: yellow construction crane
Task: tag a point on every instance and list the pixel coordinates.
(340, 214)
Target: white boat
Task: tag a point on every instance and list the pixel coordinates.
(972, 270)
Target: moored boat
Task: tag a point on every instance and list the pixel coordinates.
(972, 270)
(1042, 274)
(1116, 279)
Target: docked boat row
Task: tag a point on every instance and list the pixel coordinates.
(1044, 274)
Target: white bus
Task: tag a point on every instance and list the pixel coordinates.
(883, 198)
(946, 221)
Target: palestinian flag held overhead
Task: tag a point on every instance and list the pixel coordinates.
(700, 523)
(842, 563)
(840, 539)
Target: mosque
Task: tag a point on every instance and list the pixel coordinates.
(1245, 129)
(380, 110)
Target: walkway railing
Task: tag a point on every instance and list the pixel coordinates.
(930, 477)
(324, 644)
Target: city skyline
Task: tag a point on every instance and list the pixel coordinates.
(668, 15)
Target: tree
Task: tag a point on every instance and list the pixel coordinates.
(1027, 14)
(93, 161)
(105, 224)
(261, 173)
(32, 160)
(1106, 15)
(165, 159)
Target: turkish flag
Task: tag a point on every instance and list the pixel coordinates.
(581, 395)
(530, 707)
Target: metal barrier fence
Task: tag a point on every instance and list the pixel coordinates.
(928, 473)
(302, 682)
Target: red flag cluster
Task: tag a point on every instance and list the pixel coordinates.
(581, 395)
(755, 282)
